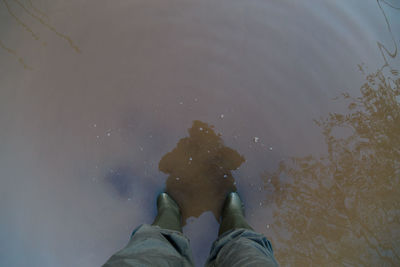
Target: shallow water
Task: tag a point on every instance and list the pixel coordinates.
(97, 98)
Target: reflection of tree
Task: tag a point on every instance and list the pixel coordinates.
(344, 208)
(384, 51)
(199, 171)
(14, 53)
(39, 16)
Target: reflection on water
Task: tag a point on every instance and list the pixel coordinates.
(199, 171)
(82, 134)
(14, 53)
(19, 21)
(14, 8)
(384, 51)
(343, 208)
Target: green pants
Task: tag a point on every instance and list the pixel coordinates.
(154, 246)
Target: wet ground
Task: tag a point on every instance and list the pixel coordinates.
(294, 103)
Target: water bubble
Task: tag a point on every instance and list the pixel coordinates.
(225, 176)
(256, 139)
(222, 116)
(270, 148)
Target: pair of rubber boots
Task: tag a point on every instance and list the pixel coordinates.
(232, 215)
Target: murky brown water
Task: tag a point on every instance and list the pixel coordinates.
(200, 169)
(101, 105)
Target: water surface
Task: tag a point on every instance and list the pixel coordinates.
(97, 98)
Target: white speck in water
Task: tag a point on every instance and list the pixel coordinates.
(196, 100)
(208, 151)
(177, 178)
(225, 176)
(108, 134)
(222, 116)
(95, 125)
(234, 183)
(181, 103)
(190, 159)
(140, 148)
(270, 148)
(201, 128)
(267, 225)
(129, 199)
(260, 204)
(256, 139)
(97, 136)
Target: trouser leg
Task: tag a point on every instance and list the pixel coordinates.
(153, 246)
(241, 248)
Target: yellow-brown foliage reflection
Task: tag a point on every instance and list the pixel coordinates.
(344, 208)
(199, 171)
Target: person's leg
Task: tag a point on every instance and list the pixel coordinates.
(232, 215)
(238, 244)
(159, 244)
(168, 213)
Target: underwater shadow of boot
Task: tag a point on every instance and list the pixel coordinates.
(199, 171)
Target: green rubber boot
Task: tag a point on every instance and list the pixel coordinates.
(168, 213)
(233, 214)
